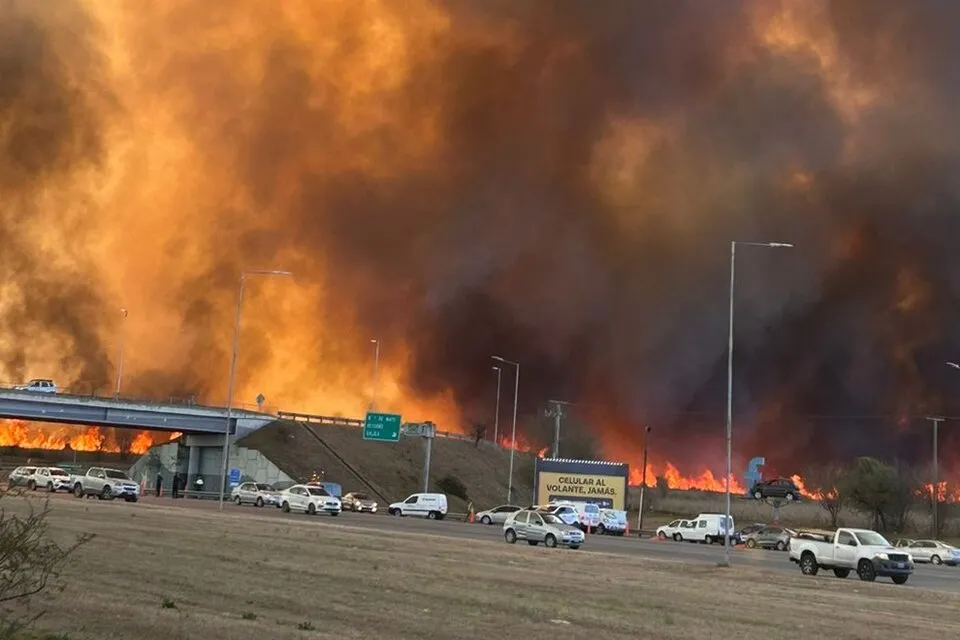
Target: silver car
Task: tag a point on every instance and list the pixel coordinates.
(255, 493)
(535, 527)
(21, 476)
(770, 538)
(497, 515)
(358, 501)
(934, 552)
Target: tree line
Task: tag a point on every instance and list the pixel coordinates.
(888, 494)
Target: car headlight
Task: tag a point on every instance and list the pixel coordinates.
(881, 556)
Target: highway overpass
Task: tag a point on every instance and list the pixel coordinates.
(131, 414)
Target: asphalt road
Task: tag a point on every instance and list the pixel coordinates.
(940, 578)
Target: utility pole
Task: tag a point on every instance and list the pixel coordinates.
(935, 493)
(496, 415)
(123, 327)
(376, 369)
(643, 479)
(556, 412)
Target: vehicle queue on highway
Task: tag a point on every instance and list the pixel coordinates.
(560, 523)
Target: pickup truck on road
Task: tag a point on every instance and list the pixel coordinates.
(106, 484)
(861, 550)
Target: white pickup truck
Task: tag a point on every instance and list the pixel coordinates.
(106, 484)
(861, 550)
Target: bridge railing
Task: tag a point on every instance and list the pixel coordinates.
(339, 421)
(87, 393)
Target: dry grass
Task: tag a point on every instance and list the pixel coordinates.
(394, 470)
(165, 573)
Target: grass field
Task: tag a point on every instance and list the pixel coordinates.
(162, 573)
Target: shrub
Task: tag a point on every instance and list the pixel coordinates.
(30, 561)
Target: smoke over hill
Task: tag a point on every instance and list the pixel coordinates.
(554, 182)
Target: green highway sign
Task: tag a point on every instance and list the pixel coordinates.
(384, 427)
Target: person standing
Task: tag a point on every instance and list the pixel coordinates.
(159, 484)
(176, 485)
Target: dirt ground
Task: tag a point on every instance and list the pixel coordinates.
(161, 573)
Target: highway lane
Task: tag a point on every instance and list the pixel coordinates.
(940, 578)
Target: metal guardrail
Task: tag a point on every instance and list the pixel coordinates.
(180, 401)
(339, 421)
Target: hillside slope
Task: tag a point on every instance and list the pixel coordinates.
(392, 471)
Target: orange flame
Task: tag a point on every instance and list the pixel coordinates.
(18, 433)
(523, 446)
(704, 481)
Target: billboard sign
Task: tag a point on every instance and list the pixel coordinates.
(597, 482)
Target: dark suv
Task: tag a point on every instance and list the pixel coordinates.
(776, 488)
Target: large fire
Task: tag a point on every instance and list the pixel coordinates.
(18, 433)
(458, 180)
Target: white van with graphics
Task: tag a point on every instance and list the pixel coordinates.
(709, 528)
(425, 505)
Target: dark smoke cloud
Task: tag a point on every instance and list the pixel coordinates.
(50, 105)
(498, 239)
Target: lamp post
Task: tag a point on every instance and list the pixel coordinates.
(120, 364)
(733, 271)
(513, 437)
(233, 373)
(376, 366)
(643, 479)
(496, 416)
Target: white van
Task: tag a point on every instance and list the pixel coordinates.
(709, 528)
(424, 505)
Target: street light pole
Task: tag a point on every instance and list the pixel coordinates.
(513, 437)
(643, 480)
(496, 417)
(376, 367)
(935, 492)
(233, 374)
(123, 327)
(733, 271)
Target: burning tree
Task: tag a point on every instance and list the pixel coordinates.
(824, 483)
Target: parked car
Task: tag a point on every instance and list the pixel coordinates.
(776, 488)
(497, 515)
(741, 535)
(770, 538)
(38, 385)
(106, 484)
(20, 476)
(255, 493)
(934, 552)
(536, 527)
(425, 505)
(333, 488)
(52, 479)
(861, 550)
(309, 500)
(612, 522)
(565, 512)
(674, 530)
(359, 502)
